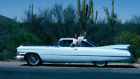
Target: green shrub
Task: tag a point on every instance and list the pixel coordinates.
(5, 55)
(129, 38)
(23, 38)
(8, 47)
(137, 52)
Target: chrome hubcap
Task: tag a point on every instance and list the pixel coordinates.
(100, 63)
(33, 59)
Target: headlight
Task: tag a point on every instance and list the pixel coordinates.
(21, 53)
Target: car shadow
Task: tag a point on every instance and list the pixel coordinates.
(120, 66)
(81, 65)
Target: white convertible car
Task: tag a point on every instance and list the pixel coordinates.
(63, 52)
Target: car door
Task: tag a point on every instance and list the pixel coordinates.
(85, 52)
(64, 53)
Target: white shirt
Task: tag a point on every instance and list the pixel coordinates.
(79, 40)
(75, 41)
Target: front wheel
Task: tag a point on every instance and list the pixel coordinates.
(101, 63)
(33, 59)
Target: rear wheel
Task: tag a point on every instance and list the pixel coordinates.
(101, 63)
(33, 59)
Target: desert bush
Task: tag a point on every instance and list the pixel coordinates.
(8, 47)
(103, 34)
(137, 52)
(5, 55)
(129, 38)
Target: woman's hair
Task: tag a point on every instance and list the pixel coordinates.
(76, 34)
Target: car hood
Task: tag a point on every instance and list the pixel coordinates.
(32, 47)
(121, 47)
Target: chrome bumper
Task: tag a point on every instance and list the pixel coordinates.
(20, 57)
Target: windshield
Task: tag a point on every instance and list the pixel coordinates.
(92, 43)
(55, 43)
(86, 44)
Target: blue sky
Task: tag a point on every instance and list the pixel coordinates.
(124, 8)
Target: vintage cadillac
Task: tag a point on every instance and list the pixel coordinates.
(62, 52)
